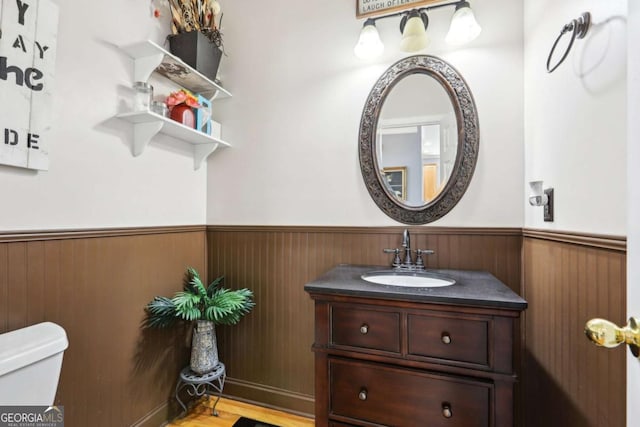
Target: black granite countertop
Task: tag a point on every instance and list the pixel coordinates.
(472, 288)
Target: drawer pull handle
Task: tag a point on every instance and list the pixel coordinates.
(446, 410)
(364, 329)
(446, 338)
(363, 394)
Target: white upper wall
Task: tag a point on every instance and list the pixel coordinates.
(575, 117)
(94, 181)
(298, 96)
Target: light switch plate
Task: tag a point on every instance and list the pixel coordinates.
(548, 208)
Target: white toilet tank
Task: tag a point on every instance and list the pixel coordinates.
(30, 362)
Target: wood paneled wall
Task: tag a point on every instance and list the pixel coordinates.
(268, 354)
(569, 279)
(95, 284)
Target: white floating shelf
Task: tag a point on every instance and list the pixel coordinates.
(149, 57)
(147, 124)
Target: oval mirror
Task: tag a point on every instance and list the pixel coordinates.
(418, 139)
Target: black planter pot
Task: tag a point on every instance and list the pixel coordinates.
(198, 51)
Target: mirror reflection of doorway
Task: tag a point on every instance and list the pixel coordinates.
(430, 187)
(423, 147)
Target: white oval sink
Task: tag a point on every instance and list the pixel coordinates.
(407, 279)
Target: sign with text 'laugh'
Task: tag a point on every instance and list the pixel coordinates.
(28, 35)
(382, 7)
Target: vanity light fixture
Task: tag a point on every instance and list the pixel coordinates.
(369, 44)
(540, 197)
(464, 26)
(413, 26)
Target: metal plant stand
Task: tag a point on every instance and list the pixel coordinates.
(210, 384)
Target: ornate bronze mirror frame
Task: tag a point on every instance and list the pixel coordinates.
(467, 148)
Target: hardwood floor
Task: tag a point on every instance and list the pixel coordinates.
(229, 411)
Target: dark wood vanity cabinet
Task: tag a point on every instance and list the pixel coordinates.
(399, 363)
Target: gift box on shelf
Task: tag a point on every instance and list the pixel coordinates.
(203, 115)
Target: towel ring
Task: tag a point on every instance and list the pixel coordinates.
(579, 28)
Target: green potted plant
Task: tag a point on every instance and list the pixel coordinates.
(204, 306)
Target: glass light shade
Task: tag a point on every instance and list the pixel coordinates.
(464, 26)
(369, 44)
(536, 188)
(414, 36)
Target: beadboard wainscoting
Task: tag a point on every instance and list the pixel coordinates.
(95, 284)
(568, 279)
(268, 355)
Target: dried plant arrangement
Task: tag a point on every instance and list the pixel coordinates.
(204, 16)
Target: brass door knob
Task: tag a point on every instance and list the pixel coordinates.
(607, 334)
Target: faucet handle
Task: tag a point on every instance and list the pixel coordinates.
(424, 252)
(396, 259)
(419, 262)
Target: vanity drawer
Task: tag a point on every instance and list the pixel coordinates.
(400, 397)
(371, 329)
(456, 339)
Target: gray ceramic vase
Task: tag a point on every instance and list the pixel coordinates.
(204, 348)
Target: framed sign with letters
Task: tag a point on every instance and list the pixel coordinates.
(365, 8)
(27, 64)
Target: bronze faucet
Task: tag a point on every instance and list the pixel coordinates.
(408, 263)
